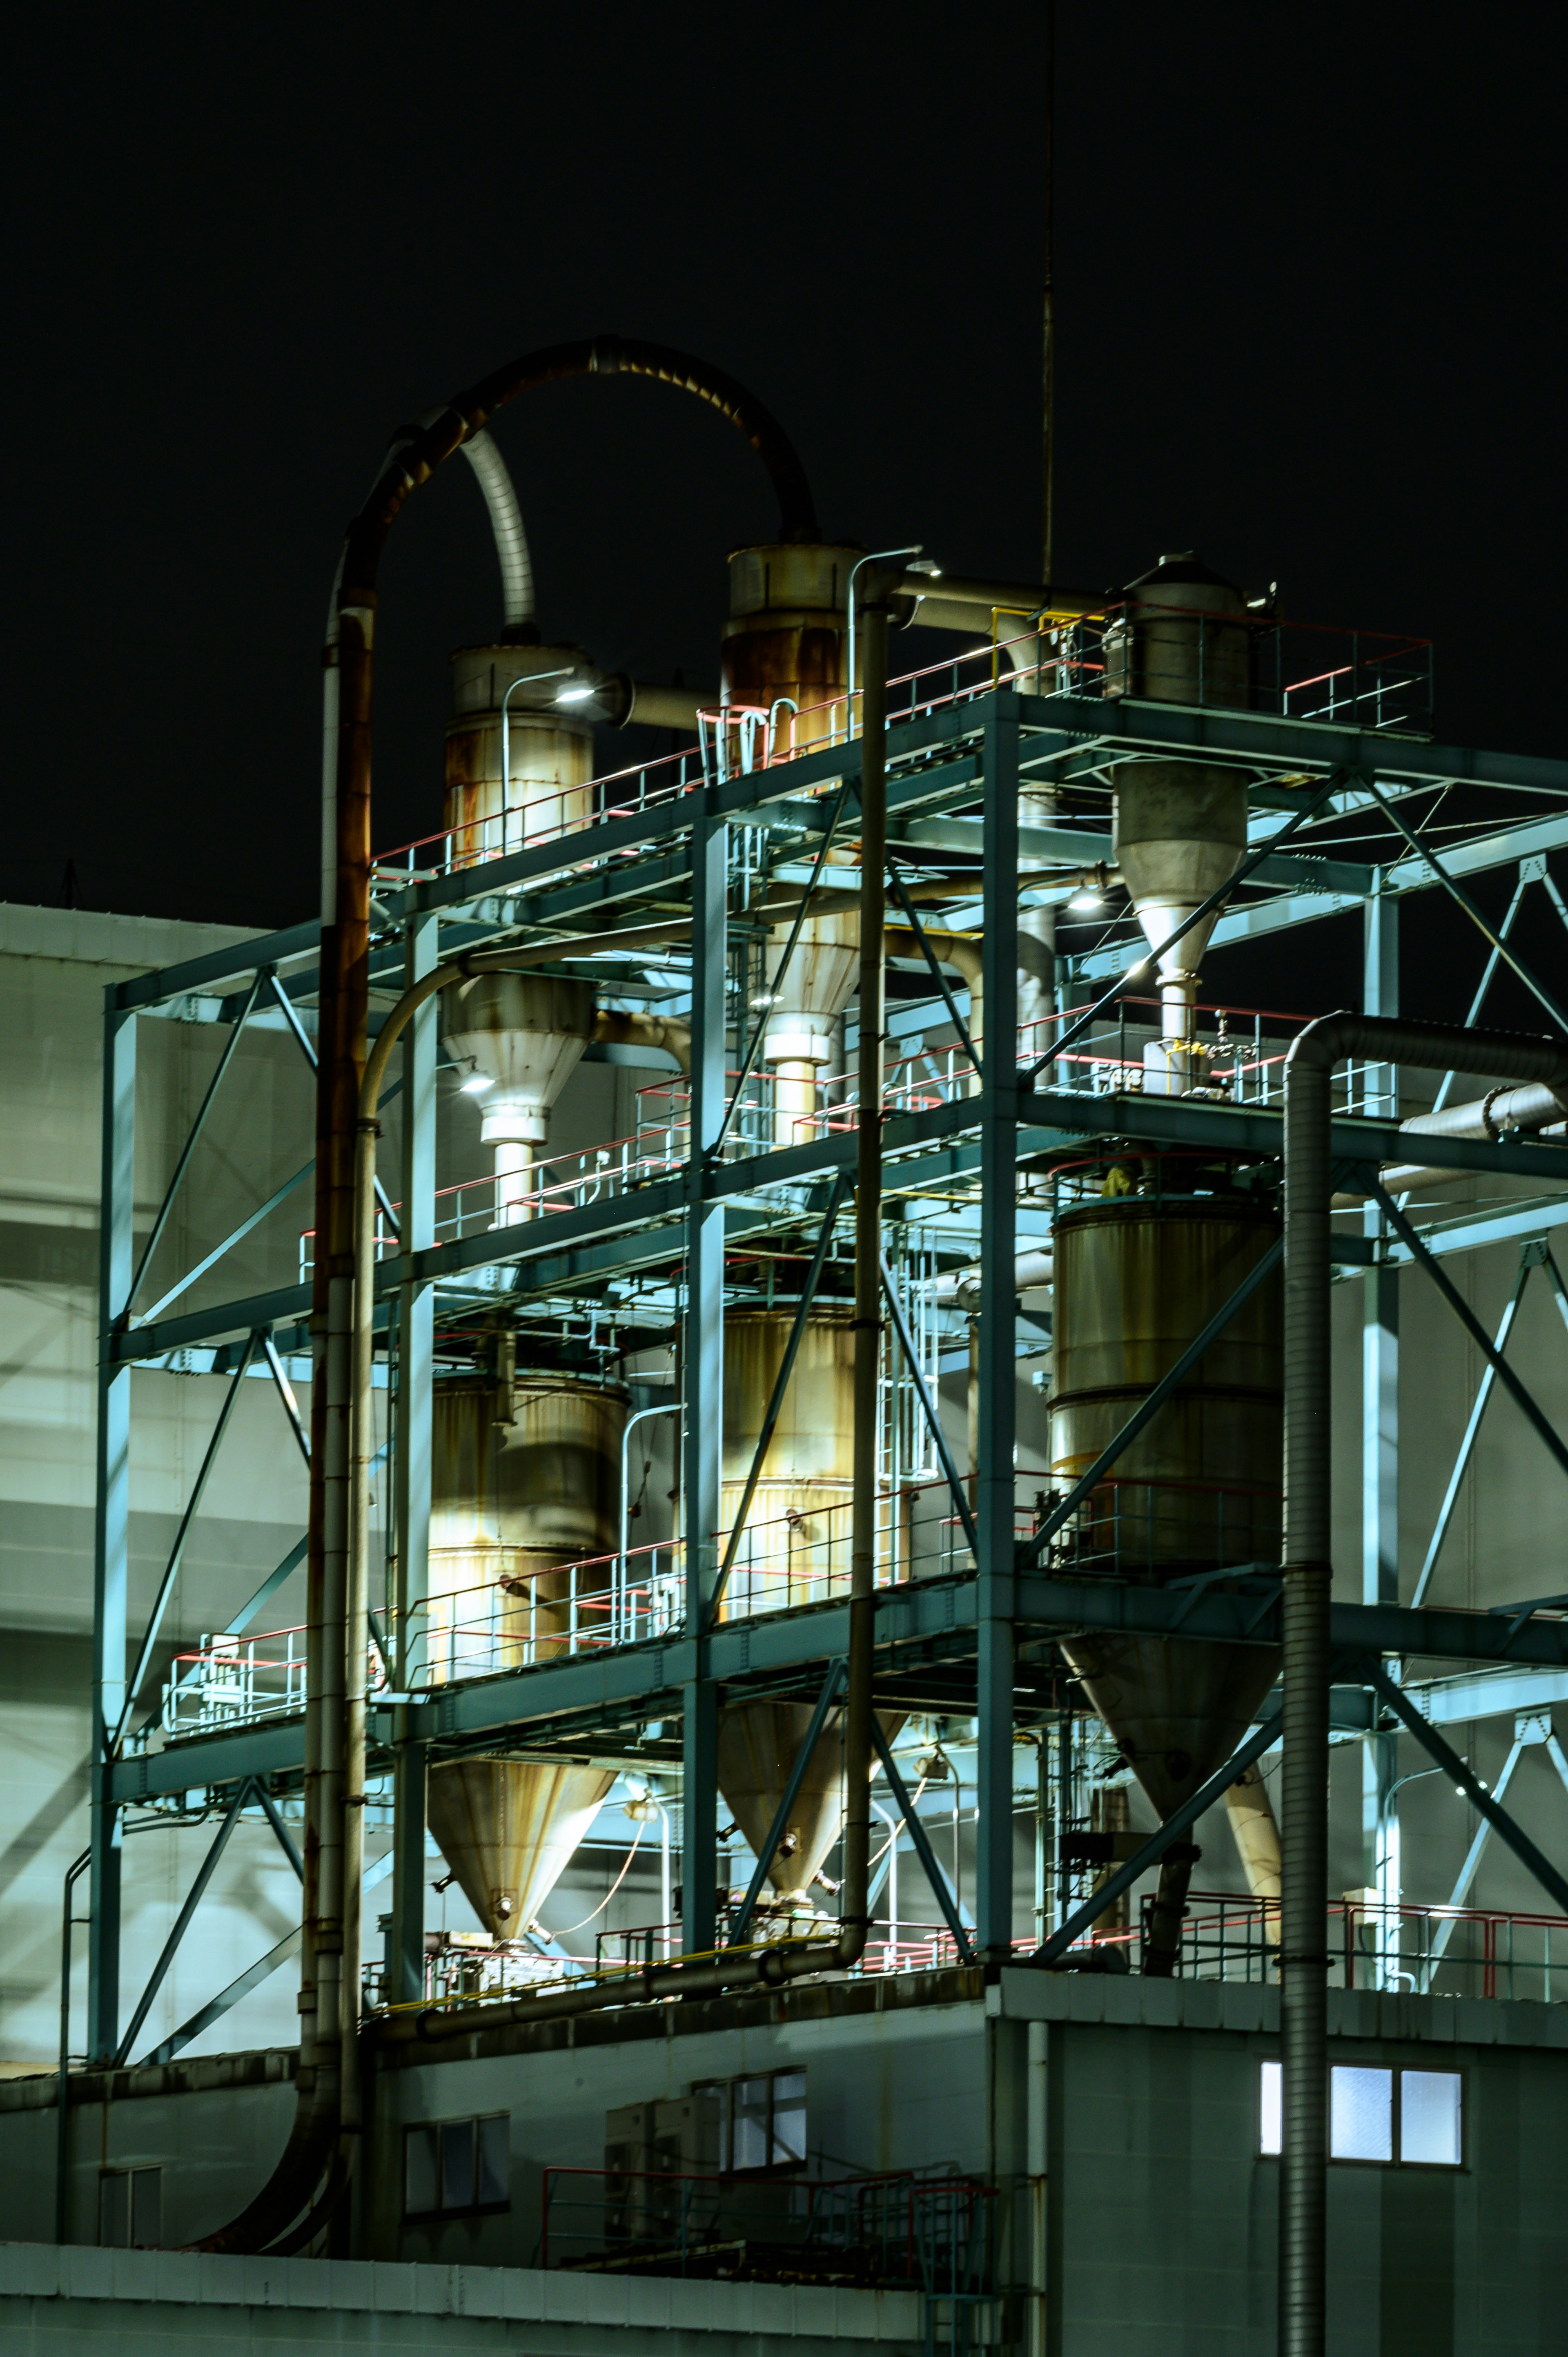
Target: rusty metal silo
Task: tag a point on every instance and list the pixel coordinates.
(796, 1551)
(524, 1478)
(1137, 1278)
(519, 766)
(786, 652)
(1180, 827)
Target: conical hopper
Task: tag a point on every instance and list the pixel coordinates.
(513, 1503)
(759, 1745)
(1177, 1711)
(1180, 831)
(508, 1829)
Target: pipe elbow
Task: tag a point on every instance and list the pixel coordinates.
(613, 1027)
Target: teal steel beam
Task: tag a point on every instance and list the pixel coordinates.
(1123, 1876)
(1381, 1850)
(1551, 1880)
(920, 1615)
(1053, 1120)
(941, 1888)
(193, 1137)
(177, 1552)
(1527, 1260)
(995, 1546)
(701, 1365)
(110, 1573)
(411, 1413)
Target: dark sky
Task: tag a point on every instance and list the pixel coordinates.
(1309, 284)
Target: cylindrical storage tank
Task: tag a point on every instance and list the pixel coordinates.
(788, 635)
(1137, 1279)
(511, 1504)
(797, 1531)
(788, 638)
(1179, 827)
(795, 1544)
(549, 751)
(522, 1034)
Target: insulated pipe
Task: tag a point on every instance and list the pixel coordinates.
(1304, 1960)
(518, 602)
(1257, 1838)
(1500, 1110)
(1534, 1107)
(950, 600)
(645, 1031)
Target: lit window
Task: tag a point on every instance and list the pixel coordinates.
(1272, 2139)
(1361, 2114)
(1430, 2120)
(454, 2167)
(1372, 2110)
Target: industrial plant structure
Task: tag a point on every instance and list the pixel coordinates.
(809, 1389)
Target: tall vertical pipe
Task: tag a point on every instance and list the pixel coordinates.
(1304, 1961)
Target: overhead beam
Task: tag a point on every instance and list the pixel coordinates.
(919, 1614)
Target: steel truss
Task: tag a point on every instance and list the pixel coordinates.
(983, 1634)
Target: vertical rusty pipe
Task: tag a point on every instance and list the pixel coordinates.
(335, 1756)
(334, 1764)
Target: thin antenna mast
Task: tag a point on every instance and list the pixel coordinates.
(1049, 427)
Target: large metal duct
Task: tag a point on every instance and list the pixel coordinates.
(1135, 1279)
(1179, 827)
(523, 1482)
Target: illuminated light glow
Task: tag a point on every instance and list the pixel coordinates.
(476, 1084)
(574, 694)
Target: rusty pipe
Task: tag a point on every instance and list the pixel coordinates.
(349, 662)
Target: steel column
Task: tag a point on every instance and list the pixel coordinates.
(702, 1346)
(111, 1536)
(997, 1550)
(410, 1457)
(1381, 1866)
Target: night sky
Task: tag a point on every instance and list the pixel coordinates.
(1309, 274)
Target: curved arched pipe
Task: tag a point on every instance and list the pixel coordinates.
(519, 603)
(334, 1772)
(1304, 1961)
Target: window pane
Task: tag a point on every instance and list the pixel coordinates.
(1362, 2114)
(789, 2116)
(457, 2164)
(1429, 2117)
(114, 2209)
(419, 2151)
(1272, 2077)
(146, 2209)
(495, 2159)
(751, 2143)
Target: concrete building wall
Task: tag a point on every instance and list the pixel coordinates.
(1160, 2208)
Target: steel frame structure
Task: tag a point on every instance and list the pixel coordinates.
(953, 776)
